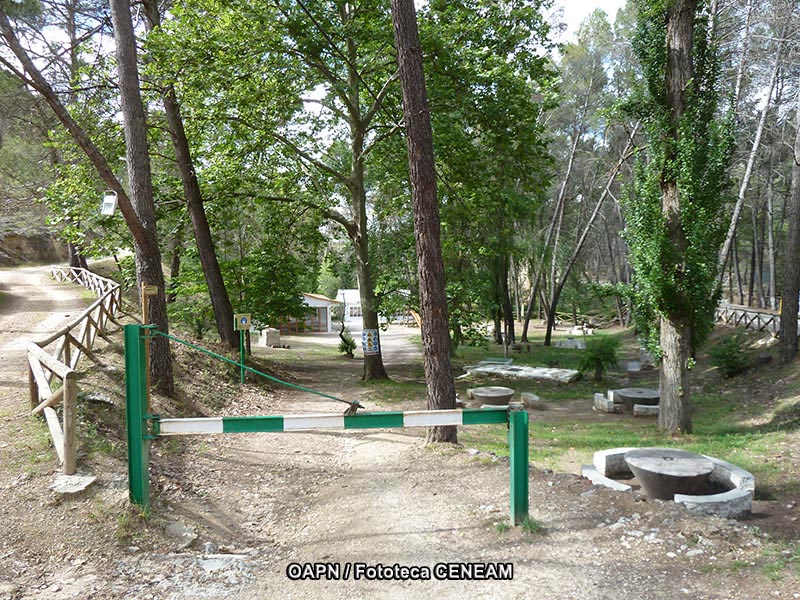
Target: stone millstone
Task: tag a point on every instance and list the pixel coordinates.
(664, 472)
(631, 396)
(493, 394)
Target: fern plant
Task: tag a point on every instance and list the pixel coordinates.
(600, 355)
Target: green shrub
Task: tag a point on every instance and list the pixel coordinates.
(532, 525)
(729, 355)
(348, 344)
(600, 355)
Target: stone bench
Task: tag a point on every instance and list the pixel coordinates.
(732, 503)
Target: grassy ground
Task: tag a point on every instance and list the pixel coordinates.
(751, 420)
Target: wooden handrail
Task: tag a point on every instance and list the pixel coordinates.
(66, 357)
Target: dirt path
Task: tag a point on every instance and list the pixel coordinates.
(31, 306)
(259, 504)
(382, 498)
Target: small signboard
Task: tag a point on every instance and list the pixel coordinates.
(150, 290)
(241, 321)
(369, 342)
(109, 204)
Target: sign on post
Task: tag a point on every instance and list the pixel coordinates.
(369, 342)
(242, 321)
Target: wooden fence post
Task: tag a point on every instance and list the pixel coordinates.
(70, 441)
(33, 388)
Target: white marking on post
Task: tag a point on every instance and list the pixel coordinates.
(426, 418)
(196, 426)
(319, 421)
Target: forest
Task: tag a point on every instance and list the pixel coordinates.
(637, 174)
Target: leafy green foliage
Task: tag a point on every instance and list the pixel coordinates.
(678, 283)
(729, 355)
(489, 85)
(600, 355)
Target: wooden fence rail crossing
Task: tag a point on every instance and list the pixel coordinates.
(57, 357)
(144, 428)
(757, 319)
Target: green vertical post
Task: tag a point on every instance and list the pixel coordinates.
(136, 402)
(518, 449)
(241, 355)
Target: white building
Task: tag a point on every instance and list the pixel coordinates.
(317, 318)
(351, 299)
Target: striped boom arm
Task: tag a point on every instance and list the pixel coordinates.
(367, 420)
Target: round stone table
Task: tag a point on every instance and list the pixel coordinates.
(493, 394)
(664, 472)
(633, 395)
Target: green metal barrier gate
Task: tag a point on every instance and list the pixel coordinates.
(144, 427)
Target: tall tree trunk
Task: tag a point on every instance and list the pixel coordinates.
(759, 237)
(773, 303)
(751, 280)
(175, 249)
(76, 259)
(505, 299)
(148, 258)
(555, 222)
(514, 274)
(675, 413)
(737, 209)
(220, 300)
(739, 284)
(433, 301)
(359, 234)
(558, 287)
(791, 273)
(373, 363)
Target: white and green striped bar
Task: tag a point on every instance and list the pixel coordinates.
(367, 420)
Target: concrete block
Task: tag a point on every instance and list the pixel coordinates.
(603, 404)
(591, 473)
(727, 505)
(572, 343)
(725, 472)
(643, 410)
(531, 401)
(611, 463)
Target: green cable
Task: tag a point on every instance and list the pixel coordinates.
(252, 370)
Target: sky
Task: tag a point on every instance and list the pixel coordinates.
(576, 11)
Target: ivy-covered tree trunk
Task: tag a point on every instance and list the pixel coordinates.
(675, 221)
(419, 137)
(674, 414)
(675, 405)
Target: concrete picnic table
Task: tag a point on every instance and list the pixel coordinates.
(664, 472)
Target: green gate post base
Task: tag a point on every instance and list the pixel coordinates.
(136, 400)
(241, 355)
(518, 450)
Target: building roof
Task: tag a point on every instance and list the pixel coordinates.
(321, 297)
(349, 296)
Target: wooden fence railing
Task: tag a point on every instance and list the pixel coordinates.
(56, 357)
(757, 319)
